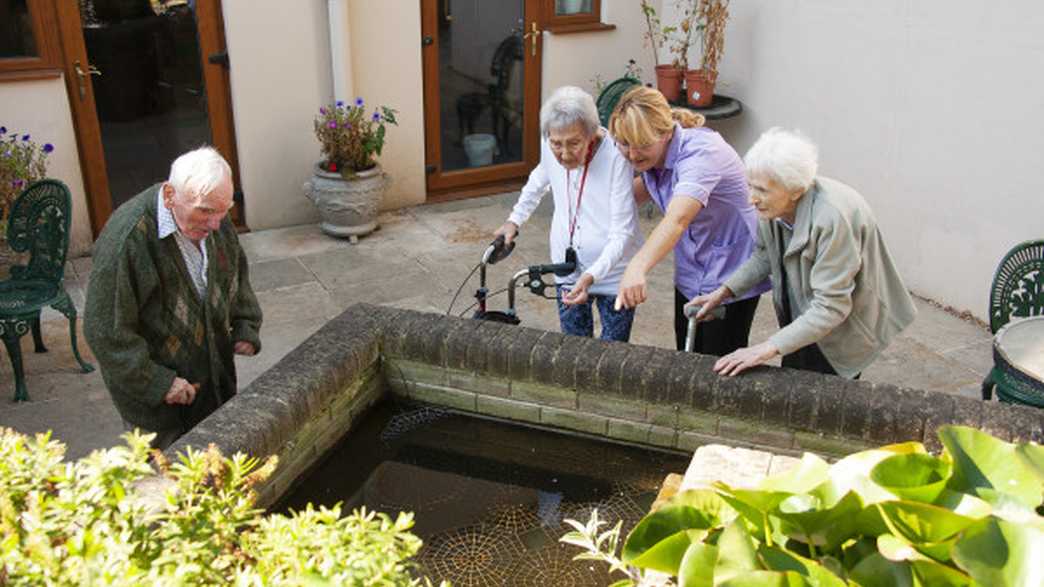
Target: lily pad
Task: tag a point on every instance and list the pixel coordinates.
(999, 553)
(981, 461)
(914, 477)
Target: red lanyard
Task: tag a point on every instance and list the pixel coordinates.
(580, 194)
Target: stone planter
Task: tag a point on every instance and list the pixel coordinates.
(347, 207)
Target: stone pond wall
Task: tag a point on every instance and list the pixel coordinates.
(301, 407)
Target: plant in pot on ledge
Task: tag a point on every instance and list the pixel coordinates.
(22, 162)
(347, 184)
(712, 16)
(669, 75)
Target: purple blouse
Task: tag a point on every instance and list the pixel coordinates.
(701, 165)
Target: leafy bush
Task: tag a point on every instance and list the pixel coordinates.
(85, 523)
(889, 516)
(22, 162)
(349, 138)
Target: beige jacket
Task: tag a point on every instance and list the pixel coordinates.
(845, 292)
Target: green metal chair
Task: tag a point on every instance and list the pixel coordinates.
(611, 95)
(38, 223)
(1017, 292)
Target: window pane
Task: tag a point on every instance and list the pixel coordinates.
(567, 7)
(16, 30)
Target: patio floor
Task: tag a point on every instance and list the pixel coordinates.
(417, 260)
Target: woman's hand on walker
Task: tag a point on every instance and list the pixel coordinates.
(632, 289)
(708, 302)
(509, 229)
(578, 293)
(740, 360)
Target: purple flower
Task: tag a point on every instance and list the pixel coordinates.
(48, 147)
(17, 183)
(359, 102)
(25, 137)
(347, 125)
(3, 130)
(332, 124)
(376, 116)
(322, 111)
(340, 103)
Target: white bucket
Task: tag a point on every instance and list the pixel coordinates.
(479, 148)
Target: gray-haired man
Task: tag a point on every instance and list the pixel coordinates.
(169, 300)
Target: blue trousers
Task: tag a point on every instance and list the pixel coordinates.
(579, 319)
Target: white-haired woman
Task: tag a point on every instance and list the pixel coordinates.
(838, 296)
(595, 213)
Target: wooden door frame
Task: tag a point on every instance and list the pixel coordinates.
(438, 182)
(87, 127)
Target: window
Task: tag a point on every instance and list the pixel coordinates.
(28, 40)
(574, 16)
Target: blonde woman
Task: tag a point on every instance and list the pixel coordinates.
(699, 183)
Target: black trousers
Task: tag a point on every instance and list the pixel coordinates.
(716, 337)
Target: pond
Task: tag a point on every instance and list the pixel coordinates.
(489, 497)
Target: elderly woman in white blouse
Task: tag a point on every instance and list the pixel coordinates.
(595, 215)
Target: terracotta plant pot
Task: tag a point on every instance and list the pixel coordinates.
(699, 87)
(668, 81)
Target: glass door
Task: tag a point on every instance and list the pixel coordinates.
(148, 81)
(482, 91)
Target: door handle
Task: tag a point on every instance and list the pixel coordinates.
(532, 35)
(81, 77)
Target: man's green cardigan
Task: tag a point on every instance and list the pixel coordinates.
(146, 324)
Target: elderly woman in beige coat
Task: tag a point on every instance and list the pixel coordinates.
(837, 294)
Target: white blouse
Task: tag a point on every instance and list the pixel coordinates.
(606, 234)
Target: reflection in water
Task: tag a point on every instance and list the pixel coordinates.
(150, 96)
(490, 498)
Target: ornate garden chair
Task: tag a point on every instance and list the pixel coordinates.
(610, 96)
(1017, 292)
(38, 223)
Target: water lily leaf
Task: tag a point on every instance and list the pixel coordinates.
(767, 579)
(877, 571)
(753, 505)
(981, 461)
(810, 472)
(920, 523)
(914, 477)
(852, 473)
(964, 504)
(697, 566)
(666, 555)
(1032, 456)
(672, 518)
(623, 583)
(736, 552)
(825, 528)
(777, 559)
(707, 501)
(998, 553)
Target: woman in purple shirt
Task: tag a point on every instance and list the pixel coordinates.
(699, 183)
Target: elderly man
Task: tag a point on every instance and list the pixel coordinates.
(169, 300)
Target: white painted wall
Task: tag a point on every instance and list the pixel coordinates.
(280, 76)
(41, 109)
(387, 70)
(930, 108)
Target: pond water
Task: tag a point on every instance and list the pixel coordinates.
(489, 497)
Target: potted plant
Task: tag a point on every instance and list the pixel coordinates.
(712, 16)
(347, 184)
(668, 75)
(22, 162)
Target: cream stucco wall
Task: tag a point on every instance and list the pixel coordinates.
(385, 41)
(41, 109)
(930, 108)
(280, 76)
(577, 58)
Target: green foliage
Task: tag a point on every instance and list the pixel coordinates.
(350, 139)
(89, 523)
(22, 162)
(895, 515)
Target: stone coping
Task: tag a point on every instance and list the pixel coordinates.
(304, 404)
